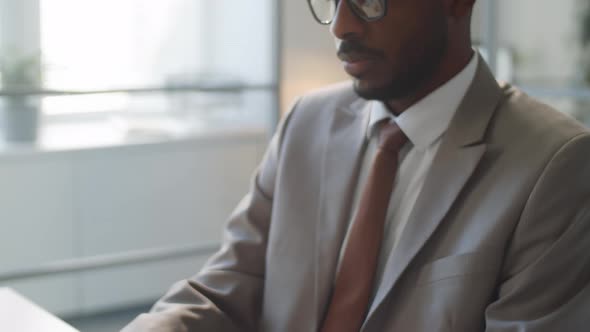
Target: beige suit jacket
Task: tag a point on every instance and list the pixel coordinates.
(498, 241)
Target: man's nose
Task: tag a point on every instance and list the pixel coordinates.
(345, 23)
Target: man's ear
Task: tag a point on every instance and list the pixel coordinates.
(459, 9)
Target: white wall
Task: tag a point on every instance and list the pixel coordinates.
(74, 204)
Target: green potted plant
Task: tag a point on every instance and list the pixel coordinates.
(19, 75)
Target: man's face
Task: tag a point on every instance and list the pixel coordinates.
(393, 57)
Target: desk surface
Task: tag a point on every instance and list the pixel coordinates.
(17, 314)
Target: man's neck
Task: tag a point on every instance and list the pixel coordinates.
(441, 76)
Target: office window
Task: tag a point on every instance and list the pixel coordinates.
(141, 55)
(540, 47)
(102, 45)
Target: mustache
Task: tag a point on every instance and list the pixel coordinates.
(352, 49)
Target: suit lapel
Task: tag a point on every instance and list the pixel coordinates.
(457, 158)
(344, 151)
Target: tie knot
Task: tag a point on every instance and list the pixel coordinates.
(391, 137)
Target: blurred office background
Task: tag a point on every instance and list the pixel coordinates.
(152, 116)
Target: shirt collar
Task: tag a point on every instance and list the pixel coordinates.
(428, 119)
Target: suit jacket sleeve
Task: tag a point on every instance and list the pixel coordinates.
(227, 294)
(545, 284)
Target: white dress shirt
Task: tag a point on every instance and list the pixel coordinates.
(424, 123)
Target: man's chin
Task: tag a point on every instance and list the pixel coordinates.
(383, 91)
(370, 92)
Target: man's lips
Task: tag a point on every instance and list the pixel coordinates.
(355, 64)
(355, 56)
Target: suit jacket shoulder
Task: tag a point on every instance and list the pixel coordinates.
(521, 118)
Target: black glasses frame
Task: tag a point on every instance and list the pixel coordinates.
(355, 10)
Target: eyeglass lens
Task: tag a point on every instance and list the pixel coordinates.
(324, 10)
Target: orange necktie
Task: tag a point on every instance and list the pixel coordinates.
(354, 281)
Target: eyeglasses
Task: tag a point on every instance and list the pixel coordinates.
(367, 10)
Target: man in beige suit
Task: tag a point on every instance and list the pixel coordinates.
(488, 222)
